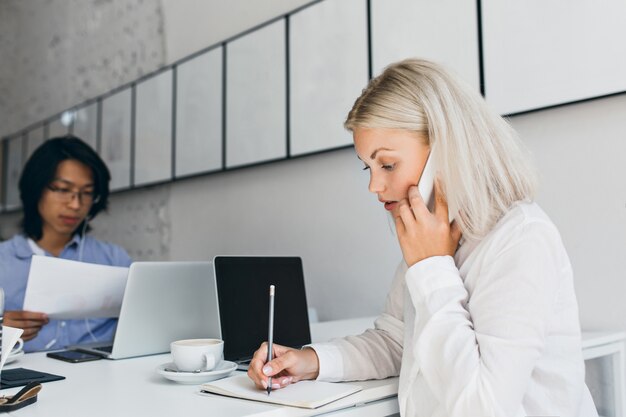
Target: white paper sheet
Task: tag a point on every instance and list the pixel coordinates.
(73, 290)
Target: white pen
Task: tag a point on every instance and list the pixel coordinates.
(270, 336)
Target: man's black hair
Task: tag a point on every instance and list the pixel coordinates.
(40, 171)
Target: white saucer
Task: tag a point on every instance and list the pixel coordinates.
(13, 356)
(222, 370)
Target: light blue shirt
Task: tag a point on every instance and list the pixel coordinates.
(15, 256)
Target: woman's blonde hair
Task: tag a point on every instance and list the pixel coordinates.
(478, 157)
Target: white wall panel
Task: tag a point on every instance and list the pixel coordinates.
(445, 31)
(199, 114)
(115, 146)
(328, 71)
(153, 129)
(86, 124)
(540, 53)
(35, 139)
(256, 97)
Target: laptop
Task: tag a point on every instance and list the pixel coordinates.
(163, 302)
(243, 298)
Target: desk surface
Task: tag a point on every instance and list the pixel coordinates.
(132, 387)
(594, 339)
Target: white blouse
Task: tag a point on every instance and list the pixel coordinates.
(493, 331)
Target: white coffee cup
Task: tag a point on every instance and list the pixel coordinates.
(191, 355)
(11, 341)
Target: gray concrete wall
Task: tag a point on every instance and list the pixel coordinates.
(58, 53)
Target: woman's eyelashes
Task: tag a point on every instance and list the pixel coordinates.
(386, 167)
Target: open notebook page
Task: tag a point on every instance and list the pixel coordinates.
(304, 394)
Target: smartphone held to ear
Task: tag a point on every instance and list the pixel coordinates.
(426, 184)
(426, 187)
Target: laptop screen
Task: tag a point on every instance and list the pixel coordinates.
(243, 295)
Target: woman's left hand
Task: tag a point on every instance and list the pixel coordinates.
(423, 234)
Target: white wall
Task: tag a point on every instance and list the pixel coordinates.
(581, 154)
(316, 207)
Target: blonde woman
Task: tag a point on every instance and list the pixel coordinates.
(481, 319)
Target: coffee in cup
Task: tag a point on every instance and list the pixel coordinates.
(191, 355)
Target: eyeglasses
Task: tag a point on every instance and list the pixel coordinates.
(65, 195)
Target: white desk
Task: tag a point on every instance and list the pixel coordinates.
(609, 346)
(131, 387)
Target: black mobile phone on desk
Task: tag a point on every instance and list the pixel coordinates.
(73, 356)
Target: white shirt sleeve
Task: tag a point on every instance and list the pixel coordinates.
(477, 354)
(376, 353)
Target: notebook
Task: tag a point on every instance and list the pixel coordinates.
(17, 377)
(303, 394)
(242, 290)
(163, 302)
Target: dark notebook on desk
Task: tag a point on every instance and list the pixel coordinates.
(242, 291)
(17, 377)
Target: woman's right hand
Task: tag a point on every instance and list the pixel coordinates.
(288, 366)
(29, 321)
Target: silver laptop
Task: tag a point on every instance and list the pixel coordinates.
(163, 302)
